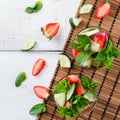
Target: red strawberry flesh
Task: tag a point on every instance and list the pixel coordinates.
(103, 10)
(73, 78)
(41, 91)
(80, 89)
(38, 66)
(75, 52)
(100, 38)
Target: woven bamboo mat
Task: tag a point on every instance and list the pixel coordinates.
(108, 105)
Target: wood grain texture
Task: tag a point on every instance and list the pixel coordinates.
(108, 105)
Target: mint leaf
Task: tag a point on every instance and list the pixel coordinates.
(106, 56)
(79, 102)
(68, 112)
(82, 57)
(37, 109)
(75, 46)
(37, 6)
(84, 43)
(93, 85)
(85, 81)
(62, 86)
(29, 10)
(20, 78)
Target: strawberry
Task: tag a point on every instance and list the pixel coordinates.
(73, 78)
(68, 104)
(80, 90)
(38, 66)
(50, 30)
(75, 52)
(101, 39)
(103, 10)
(41, 91)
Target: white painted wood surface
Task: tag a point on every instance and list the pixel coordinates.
(16, 26)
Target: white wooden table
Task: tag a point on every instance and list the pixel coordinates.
(16, 27)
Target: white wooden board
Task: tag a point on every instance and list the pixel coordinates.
(16, 102)
(16, 26)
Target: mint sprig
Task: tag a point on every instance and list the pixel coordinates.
(38, 109)
(89, 85)
(84, 43)
(37, 6)
(82, 57)
(62, 86)
(106, 56)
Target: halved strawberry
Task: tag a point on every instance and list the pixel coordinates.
(80, 90)
(73, 78)
(100, 38)
(41, 91)
(75, 52)
(38, 66)
(103, 10)
(50, 30)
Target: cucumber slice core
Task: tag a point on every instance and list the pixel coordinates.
(86, 8)
(64, 60)
(28, 45)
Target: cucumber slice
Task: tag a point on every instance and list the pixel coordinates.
(89, 31)
(28, 45)
(70, 92)
(90, 97)
(95, 47)
(87, 63)
(60, 99)
(74, 22)
(64, 60)
(86, 8)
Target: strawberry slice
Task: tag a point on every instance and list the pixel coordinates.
(100, 38)
(80, 90)
(75, 52)
(73, 78)
(41, 91)
(103, 10)
(50, 30)
(38, 66)
(67, 104)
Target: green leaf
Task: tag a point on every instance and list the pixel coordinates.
(93, 85)
(37, 109)
(82, 57)
(62, 86)
(37, 6)
(75, 46)
(116, 52)
(106, 56)
(84, 43)
(29, 10)
(79, 102)
(20, 78)
(85, 81)
(68, 112)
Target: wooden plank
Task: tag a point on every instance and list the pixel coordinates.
(107, 107)
(16, 26)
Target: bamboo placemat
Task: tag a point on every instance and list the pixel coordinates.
(108, 105)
